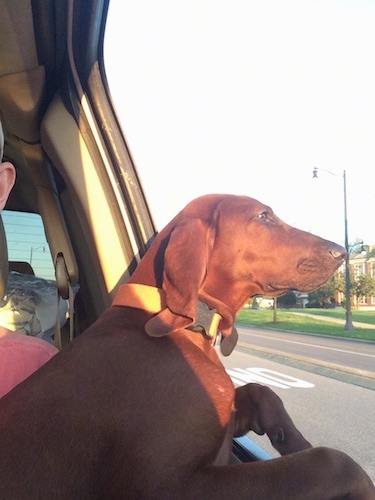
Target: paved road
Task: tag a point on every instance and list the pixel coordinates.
(356, 357)
(328, 411)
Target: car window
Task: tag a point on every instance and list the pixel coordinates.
(27, 242)
(247, 98)
(251, 98)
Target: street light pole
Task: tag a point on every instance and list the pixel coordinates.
(32, 249)
(348, 305)
(348, 308)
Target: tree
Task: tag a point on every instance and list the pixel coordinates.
(362, 286)
(289, 299)
(340, 282)
(325, 295)
(356, 247)
(341, 285)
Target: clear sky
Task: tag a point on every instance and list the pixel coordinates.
(247, 97)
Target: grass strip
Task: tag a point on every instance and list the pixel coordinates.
(287, 320)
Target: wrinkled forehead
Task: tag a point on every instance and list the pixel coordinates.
(244, 204)
(215, 207)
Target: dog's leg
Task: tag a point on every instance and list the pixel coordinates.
(259, 409)
(317, 473)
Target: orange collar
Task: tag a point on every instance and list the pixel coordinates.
(149, 298)
(153, 300)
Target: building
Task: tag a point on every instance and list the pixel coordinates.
(362, 263)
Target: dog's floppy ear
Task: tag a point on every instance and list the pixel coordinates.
(185, 267)
(228, 341)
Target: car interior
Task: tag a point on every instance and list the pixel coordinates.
(73, 165)
(78, 200)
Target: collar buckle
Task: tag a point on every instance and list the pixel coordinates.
(207, 321)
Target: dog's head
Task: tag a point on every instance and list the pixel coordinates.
(224, 249)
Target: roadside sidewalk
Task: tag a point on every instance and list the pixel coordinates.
(357, 324)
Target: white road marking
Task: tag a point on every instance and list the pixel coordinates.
(241, 376)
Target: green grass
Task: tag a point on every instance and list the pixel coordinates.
(287, 320)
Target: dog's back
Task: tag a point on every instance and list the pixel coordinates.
(77, 429)
(140, 406)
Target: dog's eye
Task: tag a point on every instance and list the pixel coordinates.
(263, 215)
(266, 217)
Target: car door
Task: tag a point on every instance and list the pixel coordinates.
(74, 168)
(78, 214)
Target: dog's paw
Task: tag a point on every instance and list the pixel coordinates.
(260, 410)
(288, 441)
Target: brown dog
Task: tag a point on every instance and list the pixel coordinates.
(140, 406)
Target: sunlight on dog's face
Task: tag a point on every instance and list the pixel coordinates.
(223, 250)
(254, 247)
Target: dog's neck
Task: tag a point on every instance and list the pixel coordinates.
(153, 300)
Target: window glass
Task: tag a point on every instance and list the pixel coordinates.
(27, 242)
(247, 97)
